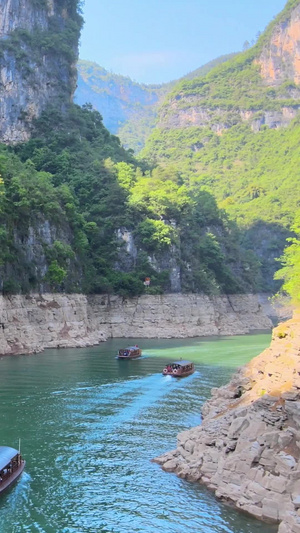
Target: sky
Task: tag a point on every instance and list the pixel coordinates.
(156, 41)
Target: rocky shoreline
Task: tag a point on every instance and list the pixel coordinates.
(34, 322)
(247, 449)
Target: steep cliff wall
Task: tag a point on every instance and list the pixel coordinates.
(280, 59)
(218, 119)
(236, 132)
(248, 448)
(262, 80)
(129, 109)
(38, 53)
(32, 323)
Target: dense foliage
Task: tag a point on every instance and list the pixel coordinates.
(253, 175)
(79, 213)
(240, 150)
(70, 192)
(290, 271)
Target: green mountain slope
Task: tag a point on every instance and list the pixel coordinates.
(236, 132)
(79, 213)
(129, 109)
(205, 69)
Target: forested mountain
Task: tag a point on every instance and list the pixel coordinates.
(77, 211)
(128, 108)
(236, 133)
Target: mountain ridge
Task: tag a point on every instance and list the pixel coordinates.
(128, 108)
(79, 213)
(235, 132)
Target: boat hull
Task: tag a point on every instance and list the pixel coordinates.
(129, 353)
(178, 375)
(129, 356)
(179, 369)
(6, 483)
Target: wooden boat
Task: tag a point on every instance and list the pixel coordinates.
(11, 466)
(132, 352)
(179, 369)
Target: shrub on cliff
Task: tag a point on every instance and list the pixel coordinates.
(290, 272)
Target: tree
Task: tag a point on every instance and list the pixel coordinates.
(55, 274)
(290, 272)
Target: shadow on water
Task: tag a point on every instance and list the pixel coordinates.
(90, 425)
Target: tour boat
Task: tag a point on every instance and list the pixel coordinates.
(179, 369)
(132, 352)
(11, 466)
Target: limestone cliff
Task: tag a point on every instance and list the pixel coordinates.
(259, 87)
(38, 53)
(235, 131)
(247, 449)
(31, 323)
(128, 108)
(280, 58)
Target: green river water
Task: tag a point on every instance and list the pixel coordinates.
(89, 426)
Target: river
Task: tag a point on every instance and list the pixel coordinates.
(89, 426)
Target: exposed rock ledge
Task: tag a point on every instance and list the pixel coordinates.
(248, 447)
(31, 323)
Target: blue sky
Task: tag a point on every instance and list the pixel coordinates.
(155, 41)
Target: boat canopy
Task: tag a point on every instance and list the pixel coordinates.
(6, 455)
(182, 363)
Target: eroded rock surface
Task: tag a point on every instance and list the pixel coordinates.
(248, 447)
(33, 72)
(32, 323)
(280, 60)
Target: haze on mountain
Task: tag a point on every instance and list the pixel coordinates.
(128, 108)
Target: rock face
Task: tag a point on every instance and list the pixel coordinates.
(280, 60)
(219, 120)
(277, 58)
(128, 108)
(31, 323)
(38, 52)
(247, 449)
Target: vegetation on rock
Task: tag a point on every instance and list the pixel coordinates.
(80, 213)
(238, 137)
(129, 109)
(290, 271)
(76, 177)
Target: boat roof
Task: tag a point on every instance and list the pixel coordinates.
(6, 455)
(182, 363)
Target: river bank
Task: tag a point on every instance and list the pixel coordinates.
(247, 449)
(32, 323)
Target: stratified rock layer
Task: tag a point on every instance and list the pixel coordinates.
(32, 323)
(248, 447)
